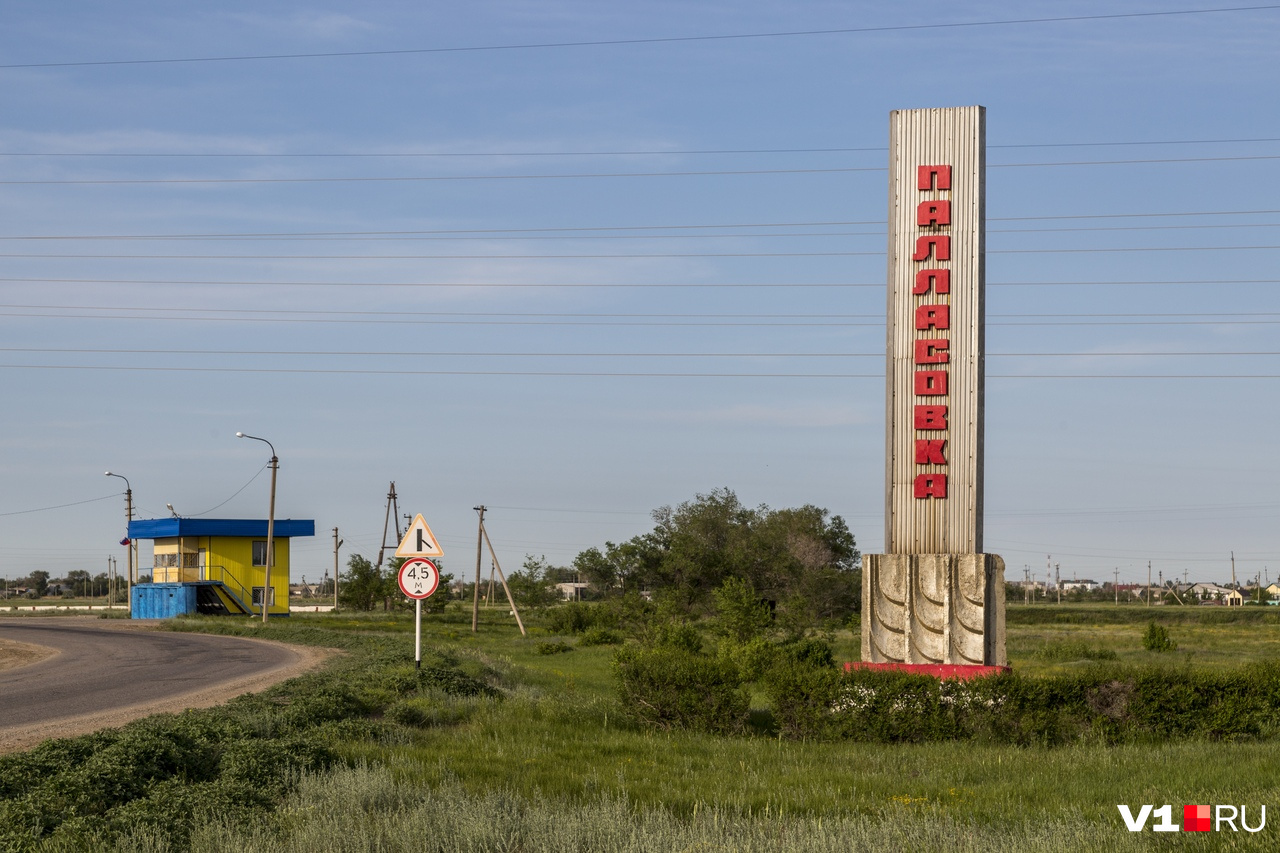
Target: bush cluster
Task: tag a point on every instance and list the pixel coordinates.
(1110, 704)
(671, 687)
(577, 617)
(1156, 638)
(164, 775)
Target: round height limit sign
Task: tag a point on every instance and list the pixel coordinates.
(418, 578)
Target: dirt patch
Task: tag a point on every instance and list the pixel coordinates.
(304, 659)
(14, 654)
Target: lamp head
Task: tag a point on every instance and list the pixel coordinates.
(239, 435)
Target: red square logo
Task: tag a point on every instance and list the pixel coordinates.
(1195, 819)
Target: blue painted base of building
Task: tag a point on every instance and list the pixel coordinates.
(163, 600)
(167, 600)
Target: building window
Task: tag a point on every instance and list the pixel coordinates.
(260, 552)
(257, 597)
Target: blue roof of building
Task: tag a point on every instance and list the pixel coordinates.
(171, 528)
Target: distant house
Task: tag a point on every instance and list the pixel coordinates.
(1211, 593)
(1086, 585)
(571, 591)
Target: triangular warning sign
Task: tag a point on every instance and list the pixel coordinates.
(419, 541)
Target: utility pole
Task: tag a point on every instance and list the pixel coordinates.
(392, 502)
(1057, 581)
(1148, 583)
(482, 539)
(510, 600)
(1026, 584)
(1116, 584)
(475, 598)
(337, 543)
(1234, 585)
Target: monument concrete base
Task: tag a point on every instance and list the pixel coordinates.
(933, 609)
(943, 671)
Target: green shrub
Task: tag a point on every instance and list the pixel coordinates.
(812, 651)
(669, 687)
(1111, 704)
(1156, 638)
(678, 635)
(741, 615)
(600, 637)
(454, 681)
(558, 647)
(804, 698)
(576, 617)
(752, 658)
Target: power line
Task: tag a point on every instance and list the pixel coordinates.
(497, 236)
(620, 256)
(60, 506)
(880, 149)
(350, 179)
(689, 321)
(641, 41)
(595, 229)
(532, 354)
(432, 178)
(595, 284)
(1146, 377)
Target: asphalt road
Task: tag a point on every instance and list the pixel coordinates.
(104, 666)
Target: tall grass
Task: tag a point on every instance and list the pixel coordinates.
(436, 762)
(364, 809)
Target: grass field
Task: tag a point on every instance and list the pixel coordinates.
(555, 765)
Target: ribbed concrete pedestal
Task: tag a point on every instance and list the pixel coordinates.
(933, 609)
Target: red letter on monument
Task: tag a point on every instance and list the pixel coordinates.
(933, 351)
(939, 281)
(930, 418)
(931, 383)
(931, 486)
(933, 317)
(929, 451)
(925, 176)
(939, 244)
(933, 213)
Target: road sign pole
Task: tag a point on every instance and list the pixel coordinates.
(417, 636)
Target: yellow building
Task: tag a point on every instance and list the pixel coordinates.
(215, 566)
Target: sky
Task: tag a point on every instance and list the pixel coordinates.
(577, 260)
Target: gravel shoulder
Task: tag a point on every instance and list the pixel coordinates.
(13, 655)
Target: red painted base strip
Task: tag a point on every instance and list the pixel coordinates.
(937, 670)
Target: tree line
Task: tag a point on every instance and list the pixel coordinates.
(802, 563)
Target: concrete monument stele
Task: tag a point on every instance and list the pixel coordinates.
(934, 597)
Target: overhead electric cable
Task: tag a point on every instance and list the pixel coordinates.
(619, 153)
(619, 255)
(690, 173)
(652, 40)
(570, 235)
(60, 506)
(609, 374)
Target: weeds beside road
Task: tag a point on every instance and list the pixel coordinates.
(496, 746)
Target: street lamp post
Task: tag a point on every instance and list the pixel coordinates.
(128, 514)
(271, 522)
